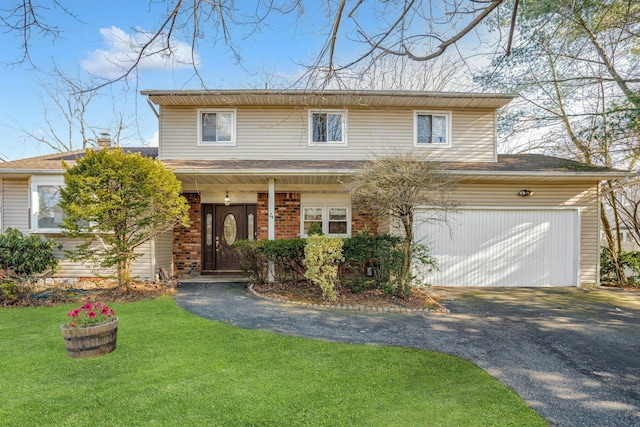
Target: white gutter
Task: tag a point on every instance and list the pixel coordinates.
(351, 171)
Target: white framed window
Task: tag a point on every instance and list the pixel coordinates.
(217, 127)
(46, 214)
(334, 220)
(327, 127)
(432, 128)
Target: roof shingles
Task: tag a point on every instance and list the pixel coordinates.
(507, 163)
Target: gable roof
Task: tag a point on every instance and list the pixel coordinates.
(328, 98)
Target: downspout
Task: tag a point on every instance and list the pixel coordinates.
(157, 114)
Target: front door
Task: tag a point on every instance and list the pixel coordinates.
(221, 227)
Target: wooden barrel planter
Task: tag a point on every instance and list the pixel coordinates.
(89, 341)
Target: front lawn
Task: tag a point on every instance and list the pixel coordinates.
(173, 368)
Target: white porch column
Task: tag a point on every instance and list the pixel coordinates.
(272, 210)
(271, 231)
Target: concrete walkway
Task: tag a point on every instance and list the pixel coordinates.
(574, 360)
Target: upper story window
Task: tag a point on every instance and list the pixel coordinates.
(432, 127)
(46, 214)
(334, 220)
(216, 127)
(327, 127)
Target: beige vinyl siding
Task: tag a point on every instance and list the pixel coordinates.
(142, 267)
(15, 205)
(579, 195)
(277, 133)
(70, 268)
(164, 253)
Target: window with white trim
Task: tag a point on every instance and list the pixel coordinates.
(432, 128)
(46, 214)
(334, 220)
(216, 127)
(327, 127)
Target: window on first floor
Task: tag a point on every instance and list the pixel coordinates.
(327, 127)
(46, 214)
(334, 220)
(432, 128)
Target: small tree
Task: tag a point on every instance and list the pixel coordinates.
(123, 200)
(396, 186)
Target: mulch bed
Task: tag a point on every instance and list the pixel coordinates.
(306, 293)
(48, 294)
(105, 290)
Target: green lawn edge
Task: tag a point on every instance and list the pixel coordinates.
(171, 367)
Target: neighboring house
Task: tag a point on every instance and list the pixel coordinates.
(266, 164)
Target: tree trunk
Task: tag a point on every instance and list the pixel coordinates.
(124, 273)
(611, 244)
(404, 287)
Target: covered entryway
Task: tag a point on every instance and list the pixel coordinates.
(221, 227)
(505, 247)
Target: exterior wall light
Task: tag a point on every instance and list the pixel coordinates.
(526, 193)
(227, 200)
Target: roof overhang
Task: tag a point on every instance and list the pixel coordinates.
(256, 173)
(530, 167)
(297, 98)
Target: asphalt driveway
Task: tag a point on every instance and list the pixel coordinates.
(573, 355)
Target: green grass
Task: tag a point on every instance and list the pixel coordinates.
(173, 368)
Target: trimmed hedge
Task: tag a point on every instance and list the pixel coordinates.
(368, 261)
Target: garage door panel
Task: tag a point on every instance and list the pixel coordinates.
(503, 248)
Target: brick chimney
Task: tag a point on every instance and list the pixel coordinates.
(104, 140)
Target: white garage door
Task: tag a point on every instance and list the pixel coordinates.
(503, 248)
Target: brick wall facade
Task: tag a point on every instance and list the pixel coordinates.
(287, 215)
(362, 220)
(187, 241)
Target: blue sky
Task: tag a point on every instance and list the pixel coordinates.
(93, 41)
(87, 44)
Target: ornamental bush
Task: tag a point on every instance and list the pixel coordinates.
(253, 262)
(371, 261)
(322, 256)
(287, 256)
(26, 256)
(628, 260)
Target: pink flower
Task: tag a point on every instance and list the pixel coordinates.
(90, 314)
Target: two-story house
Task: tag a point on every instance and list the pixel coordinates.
(266, 164)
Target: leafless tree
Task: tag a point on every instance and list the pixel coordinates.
(67, 105)
(412, 29)
(396, 185)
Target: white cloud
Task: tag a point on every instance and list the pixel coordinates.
(154, 141)
(123, 50)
